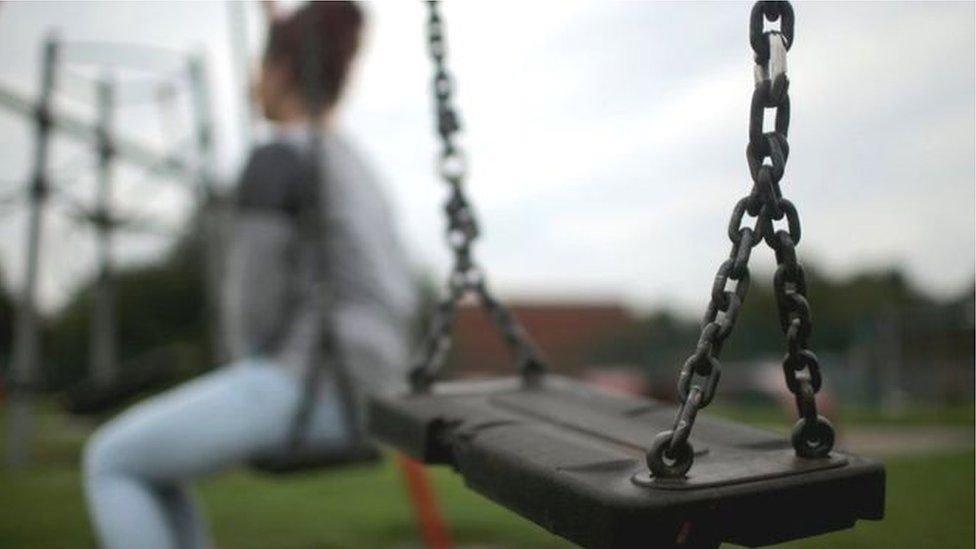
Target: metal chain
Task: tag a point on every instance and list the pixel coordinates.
(466, 277)
(671, 455)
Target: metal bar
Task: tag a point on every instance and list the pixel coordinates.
(73, 126)
(427, 513)
(102, 350)
(241, 65)
(210, 208)
(121, 54)
(203, 124)
(26, 343)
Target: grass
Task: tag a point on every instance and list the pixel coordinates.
(770, 416)
(930, 502)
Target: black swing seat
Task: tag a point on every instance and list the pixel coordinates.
(570, 458)
(317, 459)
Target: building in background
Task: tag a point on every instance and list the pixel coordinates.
(893, 358)
(571, 335)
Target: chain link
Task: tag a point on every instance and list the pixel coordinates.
(466, 277)
(671, 455)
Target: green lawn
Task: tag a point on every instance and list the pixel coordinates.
(770, 416)
(930, 503)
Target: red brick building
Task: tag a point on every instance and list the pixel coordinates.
(567, 332)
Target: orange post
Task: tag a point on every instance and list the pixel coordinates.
(424, 501)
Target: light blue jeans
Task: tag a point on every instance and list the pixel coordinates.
(137, 466)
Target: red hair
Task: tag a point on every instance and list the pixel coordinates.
(338, 26)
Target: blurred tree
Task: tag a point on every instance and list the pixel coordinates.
(159, 305)
(7, 313)
(845, 312)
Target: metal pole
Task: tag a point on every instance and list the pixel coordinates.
(102, 350)
(79, 129)
(894, 401)
(241, 63)
(24, 372)
(210, 211)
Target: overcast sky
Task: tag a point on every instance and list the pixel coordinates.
(606, 139)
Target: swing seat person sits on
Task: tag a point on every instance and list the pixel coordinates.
(307, 346)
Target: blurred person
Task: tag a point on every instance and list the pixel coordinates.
(138, 466)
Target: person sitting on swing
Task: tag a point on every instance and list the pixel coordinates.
(137, 467)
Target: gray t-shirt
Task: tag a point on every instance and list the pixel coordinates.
(273, 305)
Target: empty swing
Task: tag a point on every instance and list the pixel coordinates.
(612, 471)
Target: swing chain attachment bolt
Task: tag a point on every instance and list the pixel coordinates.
(671, 455)
(666, 463)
